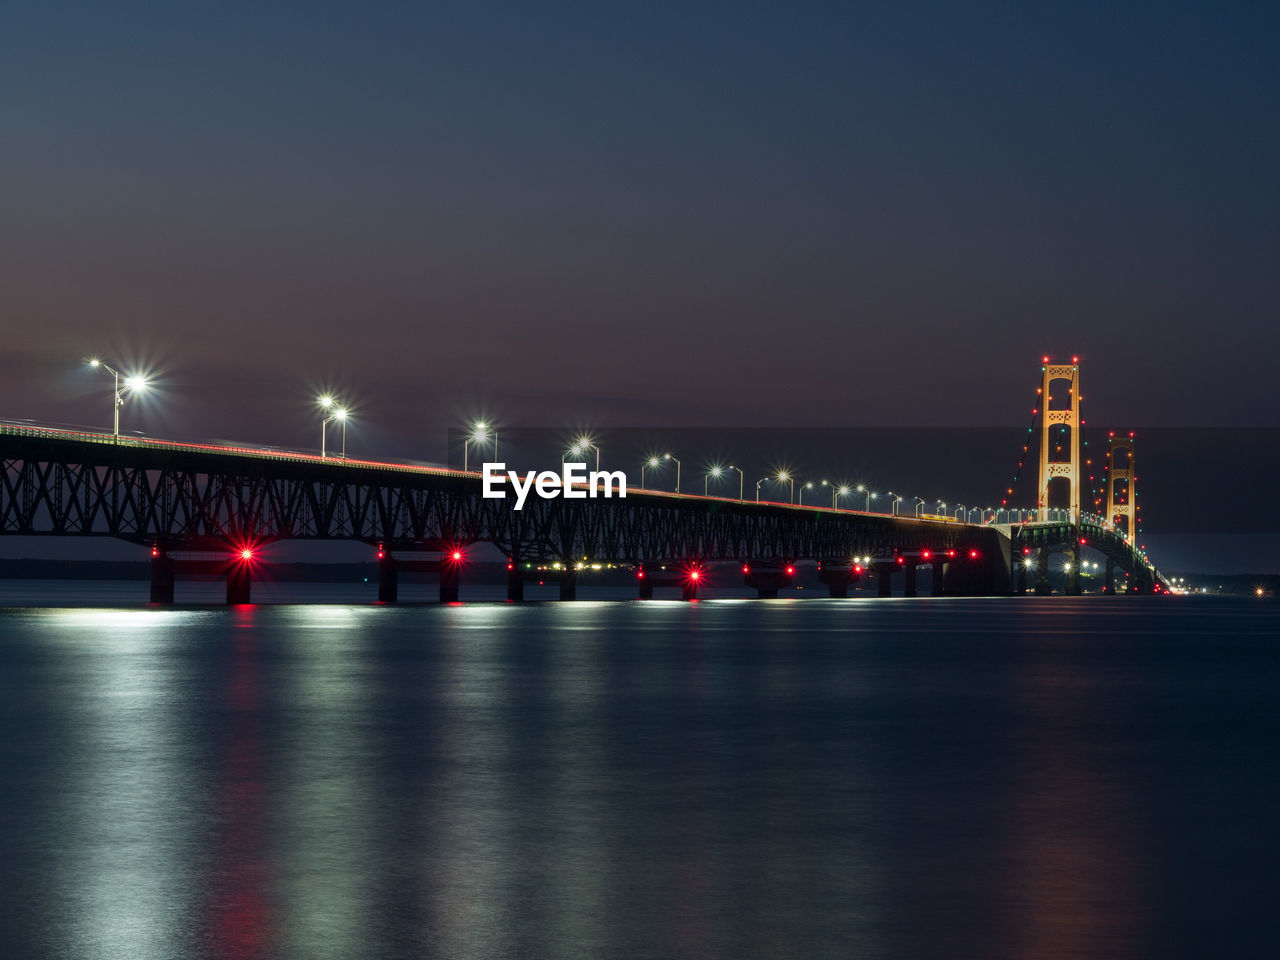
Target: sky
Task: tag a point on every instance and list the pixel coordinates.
(635, 215)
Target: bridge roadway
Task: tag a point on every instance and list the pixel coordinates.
(177, 497)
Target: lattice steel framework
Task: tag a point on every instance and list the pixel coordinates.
(188, 500)
(1129, 508)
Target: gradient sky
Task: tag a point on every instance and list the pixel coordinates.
(638, 214)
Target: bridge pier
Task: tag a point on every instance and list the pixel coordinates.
(938, 583)
(162, 577)
(238, 580)
(689, 589)
(1109, 584)
(450, 580)
(515, 581)
(909, 587)
(1043, 588)
(838, 577)
(884, 579)
(388, 580)
(569, 583)
(1074, 586)
(768, 579)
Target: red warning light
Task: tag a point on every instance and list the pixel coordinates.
(900, 560)
(973, 554)
(381, 554)
(640, 574)
(457, 555)
(155, 551)
(951, 553)
(1075, 359)
(511, 566)
(790, 570)
(694, 574)
(857, 568)
(1083, 541)
(246, 554)
(1044, 359)
(745, 568)
(1026, 550)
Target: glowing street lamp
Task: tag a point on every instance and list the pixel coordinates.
(582, 445)
(717, 472)
(785, 477)
(758, 482)
(668, 456)
(803, 488)
(870, 496)
(893, 506)
(133, 383)
(919, 507)
(651, 464)
(741, 480)
(960, 508)
(479, 434)
(328, 404)
(841, 491)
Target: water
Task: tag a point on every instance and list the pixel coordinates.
(902, 779)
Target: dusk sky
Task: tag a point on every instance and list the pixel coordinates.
(713, 214)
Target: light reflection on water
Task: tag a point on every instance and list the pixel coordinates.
(722, 779)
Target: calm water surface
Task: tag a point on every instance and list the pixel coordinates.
(797, 778)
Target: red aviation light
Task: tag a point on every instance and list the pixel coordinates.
(925, 554)
(639, 574)
(745, 568)
(951, 553)
(857, 568)
(246, 554)
(694, 575)
(901, 560)
(457, 555)
(1044, 359)
(973, 554)
(155, 551)
(1075, 359)
(790, 571)
(510, 565)
(1083, 541)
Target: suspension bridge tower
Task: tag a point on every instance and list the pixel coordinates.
(1120, 451)
(1050, 422)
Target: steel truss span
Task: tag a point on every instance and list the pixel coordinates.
(188, 499)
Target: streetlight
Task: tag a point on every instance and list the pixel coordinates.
(918, 509)
(841, 491)
(758, 482)
(717, 472)
(668, 456)
(741, 480)
(866, 508)
(581, 445)
(134, 383)
(785, 477)
(893, 507)
(339, 414)
(651, 464)
(960, 507)
(803, 488)
(479, 434)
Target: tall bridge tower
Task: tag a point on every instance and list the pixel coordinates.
(1129, 508)
(1070, 418)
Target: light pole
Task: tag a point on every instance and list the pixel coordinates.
(803, 488)
(960, 507)
(479, 434)
(785, 477)
(758, 482)
(327, 403)
(651, 464)
(842, 491)
(134, 383)
(741, 480)
(893, 506)
(716, 472)
(677, 463)
(580, 447)
(918, 510)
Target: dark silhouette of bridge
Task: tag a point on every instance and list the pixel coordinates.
(210, 509)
